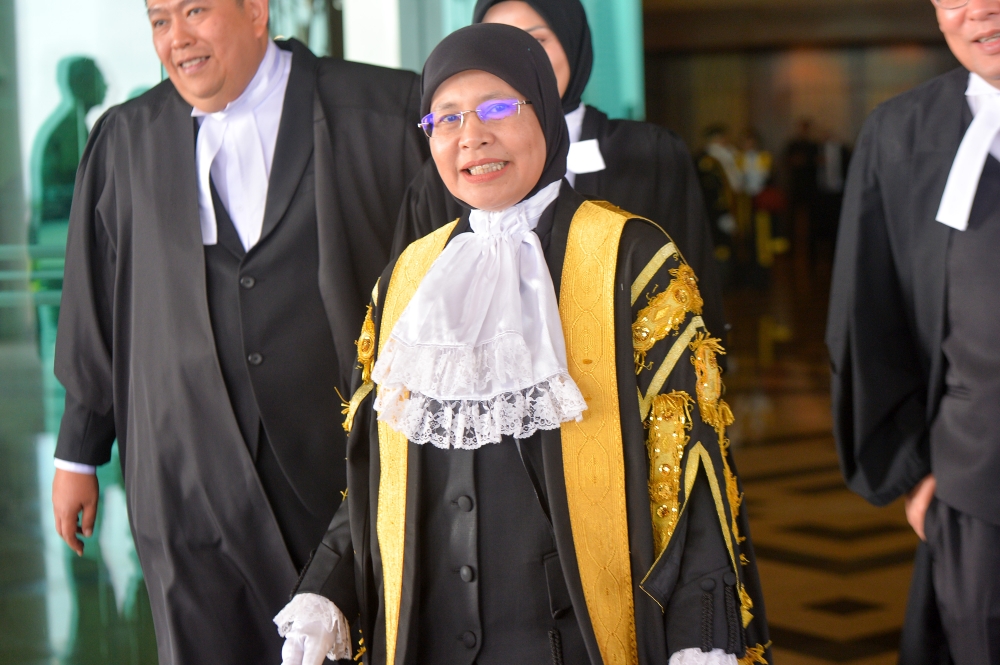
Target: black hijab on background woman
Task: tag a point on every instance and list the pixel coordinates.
(569, 23)
(649, 171)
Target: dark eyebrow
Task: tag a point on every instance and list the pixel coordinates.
(537, 27)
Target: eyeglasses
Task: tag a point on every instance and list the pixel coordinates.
(950, 4)
(449, 124)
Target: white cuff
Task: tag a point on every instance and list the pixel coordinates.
(699, 657)
(74, 467)
(312, 617)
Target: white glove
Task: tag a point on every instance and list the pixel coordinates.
(314, 629)
(698, 657)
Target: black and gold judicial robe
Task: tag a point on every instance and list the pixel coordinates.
(641, 496)
(649, 172)
(140, 340)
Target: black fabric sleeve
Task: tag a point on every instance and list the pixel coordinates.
(330, 570)
(878, 387)
(706, 581)
(83, 360)
(85, 436)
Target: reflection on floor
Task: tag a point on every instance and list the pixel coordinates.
(54, 606)
(835, 569)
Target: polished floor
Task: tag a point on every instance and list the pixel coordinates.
(835, 570)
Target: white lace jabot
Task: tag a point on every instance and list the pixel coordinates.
(479, 351)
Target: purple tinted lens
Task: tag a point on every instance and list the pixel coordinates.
(496, 109)
(427, 122)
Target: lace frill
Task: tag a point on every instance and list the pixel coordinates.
(423, 392)
(471, 424)
(310, 608)
(502, 364)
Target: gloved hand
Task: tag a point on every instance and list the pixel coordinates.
(313, 629)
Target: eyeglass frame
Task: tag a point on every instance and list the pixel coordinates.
(937, 3)
(424, 123)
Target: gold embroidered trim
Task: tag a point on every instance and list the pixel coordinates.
(717, 414)
(714, 410)
(668, 364)
(668, 426)
(755, 655)
(390, 521)
(593, 455)
(646, 275)
(665, 312)
(351, 408)
(366, 346)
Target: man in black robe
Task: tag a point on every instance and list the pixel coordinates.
(914, 335)
(210, 337)
(639, 166)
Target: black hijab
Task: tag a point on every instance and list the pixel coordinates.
(568, 20)
(514, 56)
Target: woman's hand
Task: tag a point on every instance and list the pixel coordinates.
(917, 502)
(314, 629)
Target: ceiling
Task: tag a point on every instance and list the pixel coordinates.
(697, 25)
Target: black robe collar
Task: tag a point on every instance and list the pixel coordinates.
(947, 118)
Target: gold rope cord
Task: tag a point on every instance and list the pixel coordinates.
(593, 458)
(390, 524)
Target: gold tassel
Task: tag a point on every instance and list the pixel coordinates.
(755, 655)
(746, 604)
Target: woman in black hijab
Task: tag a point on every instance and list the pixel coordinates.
(510, 500)
(647, 169)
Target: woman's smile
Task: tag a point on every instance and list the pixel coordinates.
(484, 170)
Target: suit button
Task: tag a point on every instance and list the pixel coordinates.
(729, 578)
(707, 585)
(469, 639)
(255, 359)
(466, 573)
(247, 282)
(465, 503)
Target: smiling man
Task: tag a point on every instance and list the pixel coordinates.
(226, 230)
(914, 334)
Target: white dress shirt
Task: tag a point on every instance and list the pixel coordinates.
(236, 146)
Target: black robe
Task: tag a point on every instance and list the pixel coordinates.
(888, 314)
(649, 173)
(692, 581)
(137, 354)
